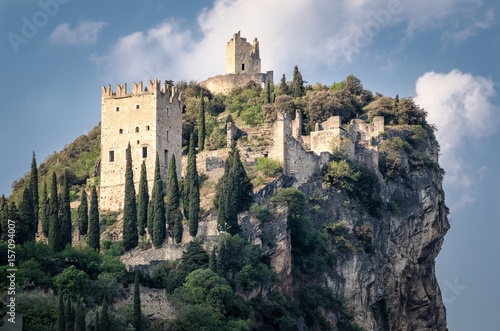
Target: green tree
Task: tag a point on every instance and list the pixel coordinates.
(130, 235)
(34, 189)
(212, 262)
(13, 215)
(4, 217)
(353, 85)
(201, 124)
(97, 324)
(25, 228)
(65, 210)
(395, 104)
(297, 83)
(94, 236)
(194, 258)
(69, 315)
(45, 211)
(54, 221)
(61, 322)
(104, 325)
(174, 217)
(268, 91)
(194, 207)
(142, 201)
(83, 213)
(158, 208)
(79, 317)
(188, 178)
(137, 304)
(72, 282)
(283, 87)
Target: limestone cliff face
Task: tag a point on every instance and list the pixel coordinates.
(392, 286)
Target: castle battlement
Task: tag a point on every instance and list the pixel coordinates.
(155, 87)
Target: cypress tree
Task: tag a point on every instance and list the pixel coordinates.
(188, 179)
(220, 200)
(13, 215)
(268, 91)
(130, 235)
(284, 86)
(137, 304)
(65, 210)
(158, 208)
(201, 124)
(212, 263)
(150, 226)
(4, 210)
(79, 317)
(25, 228)
(297, 84)
(244, 186)
(104, 325)
(232, 199)
(83, 213)
(45, 211)
(61, 322)
(194, 207)
(69, 316)
(34, 189)
(174, 217)
(142, 201)
(94, 236)
(54, 221)
(97, 326)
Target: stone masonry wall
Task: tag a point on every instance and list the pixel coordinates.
(225, 83)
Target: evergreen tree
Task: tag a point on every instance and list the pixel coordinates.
(201, 124)
(45, 211)
(212, 263)
(284, 86)
(298, 83)
(34, 189)
(395, 104)
(158, 208)
(83, 213)
(174, 217)
(137, 304)
(244, 186)
(188, 179)
(130, 235)
(54, 221)
(194, 206)
(232, 195)
(142, 201)
(104, 325)
(268, 91)
(150, 226)
(69, 316)
(65, 210)
(97, 325)
(94, 236)
(4, 211)
(79, 317)
(61, 322)
(25, 227)
(13, 215)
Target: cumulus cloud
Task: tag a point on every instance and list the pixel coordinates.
(85, 33)
(312, 33)
(461, 107)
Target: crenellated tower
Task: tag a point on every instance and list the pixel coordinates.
(241, 56)
(151, 121)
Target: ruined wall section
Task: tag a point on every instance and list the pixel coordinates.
(241, 56)
(225, 83)
(138, 118)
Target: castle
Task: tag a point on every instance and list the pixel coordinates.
(243, 65)
(151, 121)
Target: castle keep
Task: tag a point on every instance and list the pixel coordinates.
(242, 66)
(151, 121)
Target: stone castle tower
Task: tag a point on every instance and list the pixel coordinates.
(151, 121)
(242, 56)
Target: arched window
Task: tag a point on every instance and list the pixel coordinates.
(117, 109)
(121, 131)
(137, 106)
(136, 129)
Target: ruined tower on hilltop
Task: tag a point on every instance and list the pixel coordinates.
(243, 65)
(151, 121)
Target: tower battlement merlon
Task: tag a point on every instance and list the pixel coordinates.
(155, 87)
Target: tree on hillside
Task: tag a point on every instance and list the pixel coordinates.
(54, 221)
(69, 315)
(25, 227)
(4, 212)
(283, 86)
(157, 208)
(298, 84)
(34, 189)
(104, 325)
(12, 215)
(130, 236)
(45, 211)
(83, 213)
(65, 210)
(188, 178)
(79, 317)
(353, 85)
(194, 206)
(61, 322)
(174, 217)
(268, 91)
(142, 201)
(94, 236)
(201, 124)
(137, 304)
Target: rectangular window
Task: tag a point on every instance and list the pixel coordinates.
(167, 135)
(145, 152)
(166, 158)
(111, 157)
(243, 67)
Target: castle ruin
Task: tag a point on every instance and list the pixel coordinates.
(151, 121)
(243, 65)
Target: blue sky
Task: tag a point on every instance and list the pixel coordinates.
(56, 54)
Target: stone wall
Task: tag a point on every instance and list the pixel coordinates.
(151, 121)
(225, 83)
(242, 56)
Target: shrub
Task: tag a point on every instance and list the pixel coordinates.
(341, 174)
(261, 213)
(268, 166)
(72, 282)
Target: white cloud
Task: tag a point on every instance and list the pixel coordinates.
(84, 34)
(473, 25)
(460, 105)
(313, 34)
